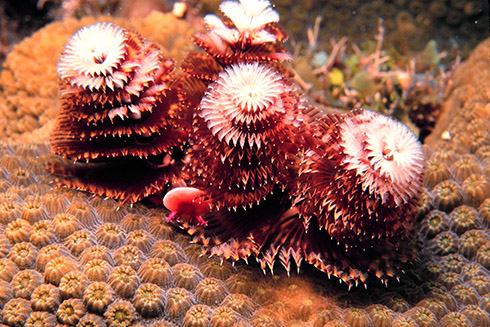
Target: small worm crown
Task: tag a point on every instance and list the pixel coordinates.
(249, 19)
(116, 107)
(243, 104)
(92, 56)
(114, 69)
(248, 33)
(385, 154)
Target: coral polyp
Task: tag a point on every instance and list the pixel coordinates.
(57, 268)
(70, 311)
(115, 104)
(39, 318)
(45, 297)
(129, 255)
(73, 284)
(97, 270)
(120, 313)
(156, 271)
(8, 269)
(79, 241)
(186, 276)
(23, 254)
(149, 300)
(97, 297)
(42, 233)
(179, 300)
(24, 283)
(124, 281)
(141, 239)
(224, 316)
(15, 312)
(211, 291)
(197, 315)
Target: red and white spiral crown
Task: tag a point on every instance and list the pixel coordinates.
(245, 105)
(247, 124)
(249, 17)
(385, 154)
(116, 101)
(106, 63)
(363, 178)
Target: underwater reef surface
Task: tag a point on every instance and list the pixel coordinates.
(68, 257)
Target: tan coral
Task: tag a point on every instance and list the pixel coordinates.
(156, 271)
(70, 311)
(141, 239)
(124, 281)
(97, 297)
(25, 282)
(24, 255)
(16, 311)
(45, 297)
(149, 300)
(48, 253)
(79, 241)
(57, 268)
(73, 284)
(7, 269)
(120, 313)
(97, 270)
(42, 233)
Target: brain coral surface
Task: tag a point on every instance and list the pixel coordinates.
(69, 257)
